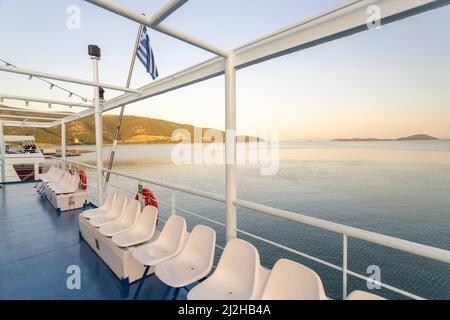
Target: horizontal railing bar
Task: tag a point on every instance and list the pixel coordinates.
(75, 162)
(12, 156)
(194, 214)
(302, 254)
(305, 255)
(204, 194)
(380, 239)
(383, 240)
(386, 286)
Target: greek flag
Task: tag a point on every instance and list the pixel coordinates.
(145, 55)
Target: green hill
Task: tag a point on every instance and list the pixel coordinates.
(135, 130)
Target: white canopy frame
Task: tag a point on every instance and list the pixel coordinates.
(339, 22)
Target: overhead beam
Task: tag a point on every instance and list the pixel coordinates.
(65, 79)
(26, 117)
(334, 24)
(14, 109)
(141, 19)
(166, 11)
(47, 101)
(26, 124)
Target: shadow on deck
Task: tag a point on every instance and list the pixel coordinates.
(37, 246)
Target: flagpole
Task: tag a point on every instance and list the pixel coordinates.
(122, 108)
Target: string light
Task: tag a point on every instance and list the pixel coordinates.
(51, 85)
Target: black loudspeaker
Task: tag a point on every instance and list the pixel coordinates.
(94, 51)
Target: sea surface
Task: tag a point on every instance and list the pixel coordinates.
(400, 189)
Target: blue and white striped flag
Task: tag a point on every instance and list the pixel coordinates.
(145, 55)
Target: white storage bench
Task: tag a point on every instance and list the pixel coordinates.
(119, 260)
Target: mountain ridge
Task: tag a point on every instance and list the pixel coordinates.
(135, 130)
(414, 137)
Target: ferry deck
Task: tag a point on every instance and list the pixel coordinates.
(38, 243)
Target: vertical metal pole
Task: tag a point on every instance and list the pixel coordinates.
(344, 266)
(230, 145)
(98, 133)
(36, 171)
(173, 200)
(122, 109)
(63, 142)
(2, 152)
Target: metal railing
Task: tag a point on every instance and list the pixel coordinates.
(345, 231)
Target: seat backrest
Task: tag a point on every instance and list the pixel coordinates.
(147, 220)
(363, 295)
(57, 173)
(51, 171)
(109, 201)
(173, 233)
(131, 213)
(119, 205)
(64, 176)
(200, 247)
(290, 280)
(75, 183)
(239, 264)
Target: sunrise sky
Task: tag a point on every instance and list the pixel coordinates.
(381, 83)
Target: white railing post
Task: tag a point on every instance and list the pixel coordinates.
(344, 265)
(173, 202)
(230, 145)
(2, 153)
(98, 130)
(36, 171)
(63, 142)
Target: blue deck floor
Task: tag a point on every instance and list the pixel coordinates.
(37, 246)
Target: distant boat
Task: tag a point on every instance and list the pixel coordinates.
(22, 158)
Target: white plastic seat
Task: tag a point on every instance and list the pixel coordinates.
(112, 214)
(64, 176)
(53, 177)
(236, 276)
(71, 187)
(91, 213)
(52, 174)
(46, 176)
(142, 232)
(169, 244)
(64, 181)
(193, 263)
(290, 280)
(362, 295)
(126, 222)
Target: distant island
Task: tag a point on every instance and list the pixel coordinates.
(415, 137)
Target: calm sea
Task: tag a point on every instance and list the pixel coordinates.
(401, 189)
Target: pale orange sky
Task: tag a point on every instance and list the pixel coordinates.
(383, 83)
